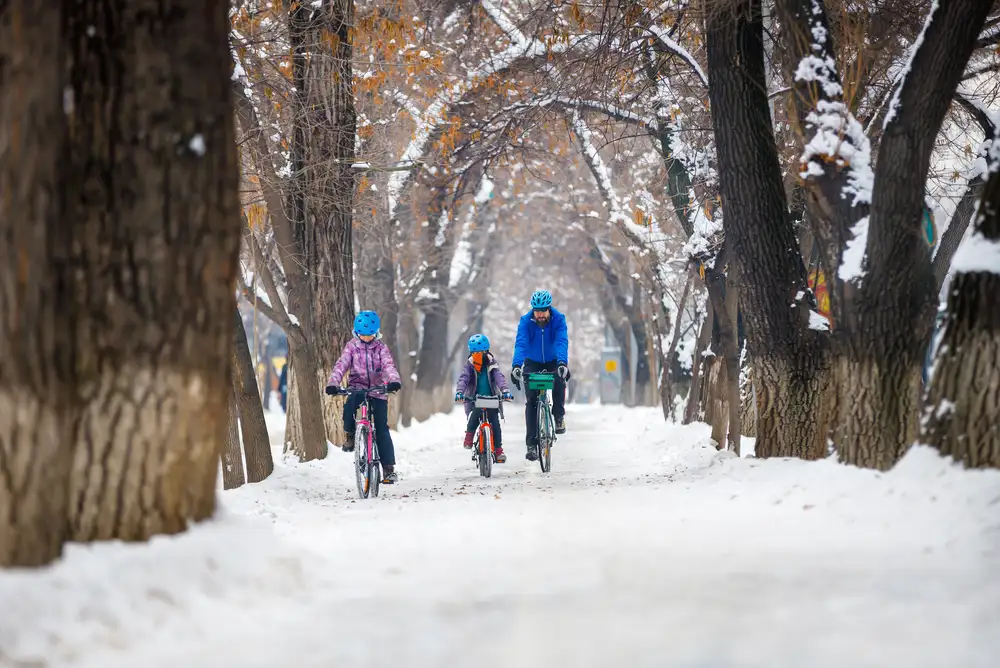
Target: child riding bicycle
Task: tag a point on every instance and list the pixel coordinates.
(481, 376)
(369, 361)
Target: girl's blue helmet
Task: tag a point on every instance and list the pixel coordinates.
(542, 299)
(367, 323)
(478, 343)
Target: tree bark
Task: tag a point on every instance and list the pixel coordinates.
(233, 475)
(36, 328)
(692, 411)
(305, 435)
(667, 360)
(952, 237)
(963, 400)
(152, 193)
(897, 298)
(791, 358)
(256, 443)
(323, 146)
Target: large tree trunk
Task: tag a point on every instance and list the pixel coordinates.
(305, 435)
(233, 475)
(323, 150)
(256, 444)
(36, 330)
(963, 401)
(790, 358)
(898, 294)
(153, 193)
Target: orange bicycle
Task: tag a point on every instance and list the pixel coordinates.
(484, 443)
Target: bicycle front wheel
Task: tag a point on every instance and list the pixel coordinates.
(545, 430)
(485, 450)
(374, 468)
(361, 461)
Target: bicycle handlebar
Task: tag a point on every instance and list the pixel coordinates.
(364, 390)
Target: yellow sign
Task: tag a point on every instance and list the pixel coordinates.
(611, 366)
(278, 362)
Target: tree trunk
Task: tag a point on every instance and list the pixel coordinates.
(153, 196)
(305, 431)
(408, 342)
(256, 444)
(643, 368)
(36, 329)
(667, 360)
(963, 400)
(323, 150)
(432, 361)
(952, 237)
(791, 358)
(232, 455)
(897, 298)
(692, 411)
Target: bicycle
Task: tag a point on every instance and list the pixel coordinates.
(484, 442)
(543, 382)
(367, 468)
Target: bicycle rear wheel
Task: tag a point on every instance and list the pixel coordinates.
(361, 460)
(545, 429)
(485, 450)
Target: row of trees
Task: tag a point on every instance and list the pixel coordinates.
(706, 164)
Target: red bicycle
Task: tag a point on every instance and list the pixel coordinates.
(367, 468)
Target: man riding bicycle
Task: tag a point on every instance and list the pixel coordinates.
(542, 344)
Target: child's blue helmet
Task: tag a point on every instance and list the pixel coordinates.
(541, 299)
(478, 343)
(367, 323)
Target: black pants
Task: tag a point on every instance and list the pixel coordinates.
(493, 415)
(379, 417)
(531, 404)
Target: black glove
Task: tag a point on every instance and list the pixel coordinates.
(563, 371)
(515, 377)
(394, 387)
(332, 390)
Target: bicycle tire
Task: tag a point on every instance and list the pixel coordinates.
(544, 436)
(485, 450)
(361, 461)
(374, 468)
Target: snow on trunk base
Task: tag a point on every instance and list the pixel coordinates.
(643, 547)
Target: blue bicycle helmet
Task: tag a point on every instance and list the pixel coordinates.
(366, 323)
(478, 343)
(541, 299)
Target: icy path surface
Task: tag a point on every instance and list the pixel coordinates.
(643, 547)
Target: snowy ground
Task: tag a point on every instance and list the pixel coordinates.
(643, 547)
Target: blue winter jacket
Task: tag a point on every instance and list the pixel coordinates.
(550, 344)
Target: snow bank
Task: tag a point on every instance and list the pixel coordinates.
(644, 547)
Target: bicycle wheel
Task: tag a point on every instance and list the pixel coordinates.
(361, 460)
(544, 436)
(374, 468)
(485, 450)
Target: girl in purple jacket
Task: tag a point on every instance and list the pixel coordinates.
(481, 375)
(368, 363)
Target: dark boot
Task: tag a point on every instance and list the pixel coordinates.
(349, 445)
(389, 476)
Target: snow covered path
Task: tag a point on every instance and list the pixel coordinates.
(643, 547)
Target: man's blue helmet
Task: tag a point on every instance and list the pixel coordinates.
(478, 343)
(541, 299)
(367, 323)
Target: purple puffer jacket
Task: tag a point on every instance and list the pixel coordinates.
(369, 364)
(468, 378)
